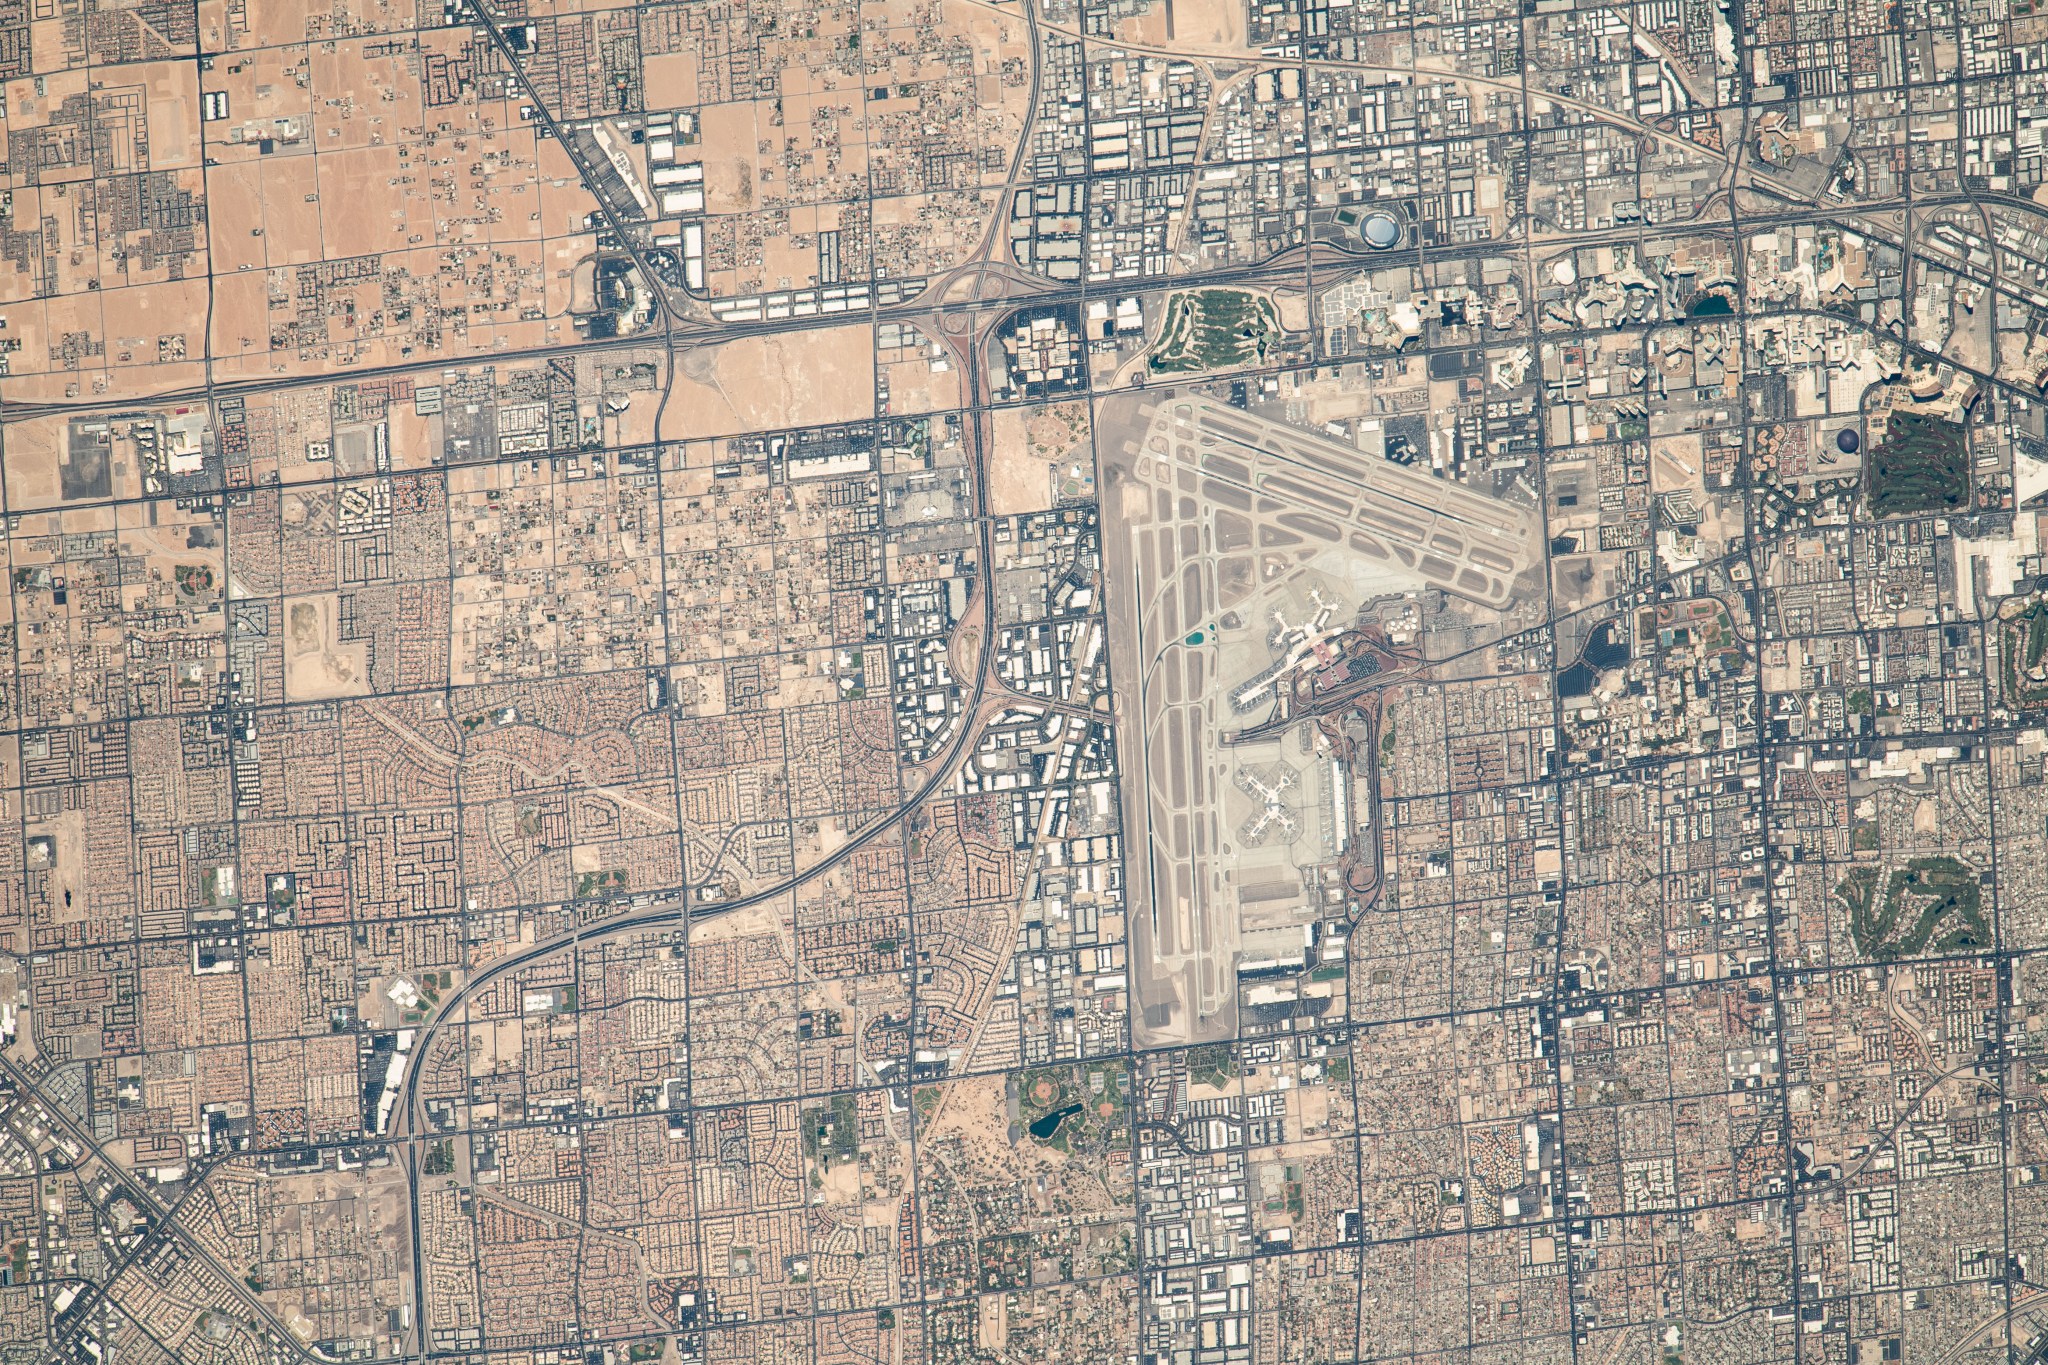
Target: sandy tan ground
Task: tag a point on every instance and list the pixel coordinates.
(34, 451)
(316, 664)
(1200, 27)
(729, 176)
(801, 379)
(1033, 448)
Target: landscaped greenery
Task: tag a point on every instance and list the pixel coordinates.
(1213, 1065)
(2022, 641)
(831, 1131)
(1931, 904)
(926, 1099)
(605, 881)
(1208, 329)
(1922, 465)
(1075, 1108)
(440, 1158)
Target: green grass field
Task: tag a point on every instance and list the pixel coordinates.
(1931, 903)
(1922, 465)
(1208, 329)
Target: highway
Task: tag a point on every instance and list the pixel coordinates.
(676, 909)
(962, 305)
(163, 1224)
(937, 305)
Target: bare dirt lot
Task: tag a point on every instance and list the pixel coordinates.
(317, 664)
(805, 379)
(1038, 452)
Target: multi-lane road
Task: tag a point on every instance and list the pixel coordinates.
(992, 288)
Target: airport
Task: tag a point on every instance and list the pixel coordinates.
(1239, 549)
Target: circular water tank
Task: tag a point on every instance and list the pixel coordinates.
(1847, 441)
(1381, 231)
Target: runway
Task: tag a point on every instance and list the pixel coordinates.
(1233, 542)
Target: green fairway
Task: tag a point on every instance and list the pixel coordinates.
(1208, 329)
